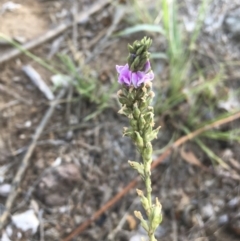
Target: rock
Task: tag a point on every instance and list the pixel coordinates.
(233, 203)
(207, 211)
(223, 219)
(26, 221)
(5, 189)
(138, 237)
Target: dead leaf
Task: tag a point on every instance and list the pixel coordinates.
(190, 157)
(132, 223)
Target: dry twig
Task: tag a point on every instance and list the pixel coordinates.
(15, 95)
(157, 162)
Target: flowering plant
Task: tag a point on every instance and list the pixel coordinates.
(135, 96)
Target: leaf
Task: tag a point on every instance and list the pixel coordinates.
(131, 222)
(190, 157)
(140, 28)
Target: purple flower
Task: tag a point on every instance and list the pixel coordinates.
(128, 78)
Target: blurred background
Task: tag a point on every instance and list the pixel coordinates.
(62, 154)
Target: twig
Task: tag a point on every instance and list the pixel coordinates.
(37, 80)
(53, 32)
(14, 94)
(157, 162)
(40, 217)
(26, 160)
(9, 104)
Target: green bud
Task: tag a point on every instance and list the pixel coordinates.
(156, 217)
(141, 122)
(143, 222)
(137, 166)
(124, 91)
(128, 132)
(147, 151)
(141, 49)
(142, 106)
(136, 111)
(130, 59)
(124, 111)
(124, 101)
(138, 139)
(134, 124)
(136, 61)
(153, 134)
(144, 201)
(148, 172)
(147, 133)
(143, 61)
(149, 117)
(140, 94)
(130, 49)
(136, 44)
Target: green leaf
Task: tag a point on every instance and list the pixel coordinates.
(140, 28)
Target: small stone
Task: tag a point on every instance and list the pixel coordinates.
(233, 203)
(26, 221)
(138, 237)
(207, 211)
(5, 189)
(223, 219)
(28, 124)
(69, 135)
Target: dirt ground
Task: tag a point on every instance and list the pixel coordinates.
(77, 166)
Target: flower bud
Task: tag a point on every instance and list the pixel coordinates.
(143, 222)
(141, 50)
(144, 201)
(147, 151)
(149, 117)
(137, 166)
(153, 134)
(141, 122)
(128, 132)
(124, 101)
(125, 111)
(138, 139)
(133, 124)
(156, 218)
(130, 49)
(136, 111)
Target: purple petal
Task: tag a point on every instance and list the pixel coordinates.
(119, 68)
(135, 79)
(147, 66)
(149, 76)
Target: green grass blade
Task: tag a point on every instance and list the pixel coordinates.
(141, 28)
